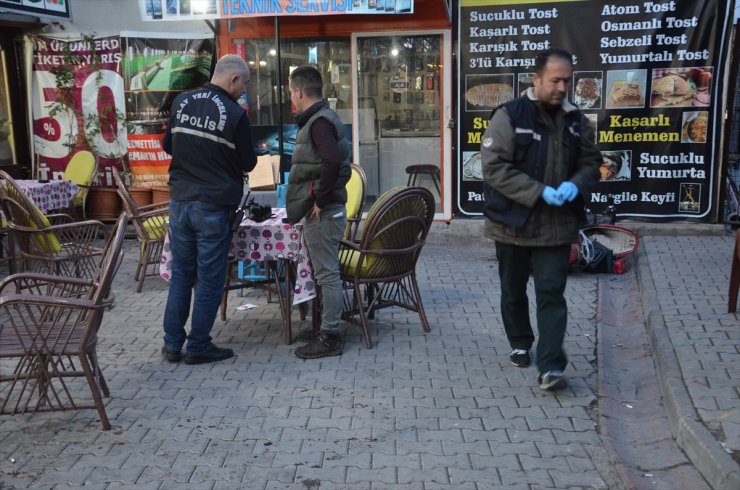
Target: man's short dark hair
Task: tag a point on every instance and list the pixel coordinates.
(308, 79)
(542, 58)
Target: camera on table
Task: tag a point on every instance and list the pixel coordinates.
(259, 212)
(255, 212)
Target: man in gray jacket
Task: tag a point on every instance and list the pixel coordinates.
(319, 171)
(539, 162)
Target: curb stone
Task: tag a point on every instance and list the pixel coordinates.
(700, 446)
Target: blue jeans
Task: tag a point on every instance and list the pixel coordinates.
(322, 240)
(200, 234)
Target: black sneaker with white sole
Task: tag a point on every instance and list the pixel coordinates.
(552, 380)
(520, 358)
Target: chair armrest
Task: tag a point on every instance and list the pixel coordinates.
(27, 280)
(349, 244)
(153, 213)
(63, 226)
(353, 225)
(41, 300)
(59, 218)
(155, 206)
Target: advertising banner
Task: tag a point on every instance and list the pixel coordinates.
(155, 70)
(647, 75)
(155, 10)
(77, 103)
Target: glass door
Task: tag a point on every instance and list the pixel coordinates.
(401, 111)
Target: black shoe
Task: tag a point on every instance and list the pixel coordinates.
(307, 335)
(552, 380)
(324, 345)
(214, 355)
(170, 355)
(520, 358)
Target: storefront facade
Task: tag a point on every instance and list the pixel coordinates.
(388, 76)
(412, 82)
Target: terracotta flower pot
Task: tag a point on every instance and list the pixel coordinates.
(142, 196)
(103, 204)
(160, 194)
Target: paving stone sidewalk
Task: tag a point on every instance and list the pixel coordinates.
(442, 410)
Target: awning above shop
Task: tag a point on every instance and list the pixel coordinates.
(16, 21)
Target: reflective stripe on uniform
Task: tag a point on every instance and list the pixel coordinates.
(534, 134)
(203, 134)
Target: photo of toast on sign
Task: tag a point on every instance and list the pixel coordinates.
(626, 88)
(681, 87)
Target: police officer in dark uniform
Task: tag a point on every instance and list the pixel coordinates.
(209, 138)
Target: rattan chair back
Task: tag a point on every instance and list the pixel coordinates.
(49, 335)
(383, 259)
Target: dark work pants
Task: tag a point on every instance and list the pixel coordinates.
(549, 266)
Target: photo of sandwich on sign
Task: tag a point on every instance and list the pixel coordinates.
(682, 87)
(626, 88)
(672, 90)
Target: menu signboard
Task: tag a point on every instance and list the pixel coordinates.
(646, 74)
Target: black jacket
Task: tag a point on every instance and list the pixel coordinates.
(209, 138)
(522, 151)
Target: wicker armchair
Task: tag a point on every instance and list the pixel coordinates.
(356, 189)
(150, 223)
(49, 334)
(52, 244)
(82, 169)
(383, 259)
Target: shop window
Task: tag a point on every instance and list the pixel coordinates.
(266, 112)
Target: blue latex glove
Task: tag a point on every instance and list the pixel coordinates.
(551, 196)
(567, 191)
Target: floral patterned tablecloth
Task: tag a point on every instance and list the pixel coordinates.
(49, 195)
(269, 240)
